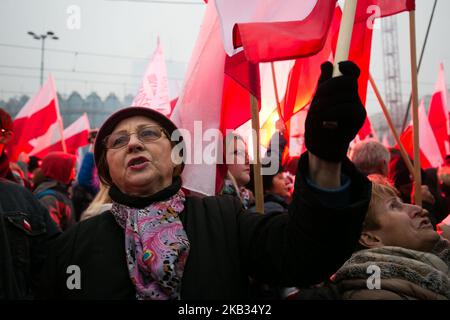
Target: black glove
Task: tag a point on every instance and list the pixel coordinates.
(336, 113)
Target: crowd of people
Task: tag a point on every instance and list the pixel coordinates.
(124, 219)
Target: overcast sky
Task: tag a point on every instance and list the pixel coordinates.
(129, 29)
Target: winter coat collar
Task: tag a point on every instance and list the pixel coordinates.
(401, 270)
(142, 202)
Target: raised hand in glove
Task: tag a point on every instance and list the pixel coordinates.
(336, 113)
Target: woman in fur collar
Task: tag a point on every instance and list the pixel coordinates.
(403, 257)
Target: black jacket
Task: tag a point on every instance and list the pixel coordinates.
(25, 227)
(301, 247)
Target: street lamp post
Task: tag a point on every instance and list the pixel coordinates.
(42, 37)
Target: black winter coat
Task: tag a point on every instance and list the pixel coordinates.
(25, 227)
(298, 248)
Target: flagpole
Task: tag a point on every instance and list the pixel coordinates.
(408, 107)
(415, 101)
(257, 173)
(345, 35)
(392, 127)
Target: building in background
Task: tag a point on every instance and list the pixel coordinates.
(75, 105)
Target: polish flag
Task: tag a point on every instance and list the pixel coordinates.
(76, 136)
(430, 155)
(438, 114)
(305, 74)
(35, 119)
(306, 71)
(199, 105)
(273, 30)
(154, 90)
(212, 98)
(217, 99)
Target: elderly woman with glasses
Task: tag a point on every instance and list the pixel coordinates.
(157, 243)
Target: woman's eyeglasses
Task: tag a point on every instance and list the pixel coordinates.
(144, 134)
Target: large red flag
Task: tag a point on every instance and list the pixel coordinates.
(212, 98)
(34, 120)
(275, 30)
(237, 84)
(438, 114)
(199, 106)
(306, 72)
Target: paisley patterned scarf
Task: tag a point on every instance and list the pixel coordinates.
(156, 246)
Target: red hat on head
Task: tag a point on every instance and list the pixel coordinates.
(59, 166)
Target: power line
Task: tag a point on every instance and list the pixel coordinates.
(69, 80)
(72, 52)
(107, 55)
(80, 71)
(73, 71)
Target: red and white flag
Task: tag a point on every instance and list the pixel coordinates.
(50, 141)
(76, 136)
(40, 116)
(154, 90)
(210, 99)
(306, 71)
(225, 104)
(430, 155)
(438, 114)
(273, 30)
(199, 105)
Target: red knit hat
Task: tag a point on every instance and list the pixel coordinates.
(59, 166)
